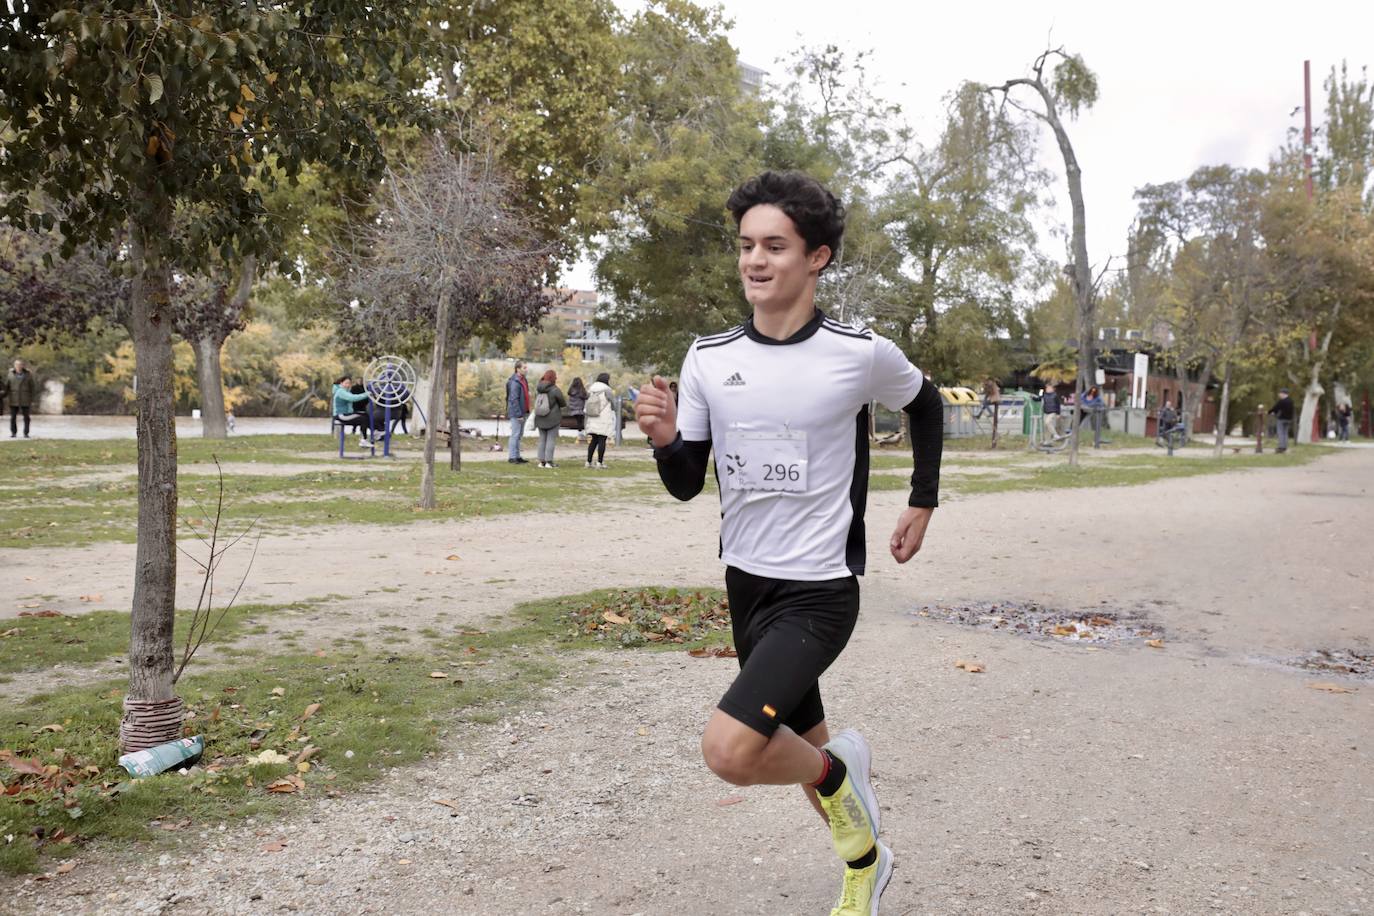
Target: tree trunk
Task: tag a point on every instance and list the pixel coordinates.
(436, 397)
(455, 442)
(213, 422)
(1082, 274)
(152, 713)
(1314, 389)
(1223, 411)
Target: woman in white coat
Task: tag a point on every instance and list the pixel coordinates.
(600, 413)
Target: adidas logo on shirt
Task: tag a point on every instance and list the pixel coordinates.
(734, 381)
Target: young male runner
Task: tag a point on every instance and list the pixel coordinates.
(783, 401)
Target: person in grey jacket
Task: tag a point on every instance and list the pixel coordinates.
(548, 424)
(19, 390)
(517, 409)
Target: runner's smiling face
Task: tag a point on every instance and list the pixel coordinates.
(776, 269)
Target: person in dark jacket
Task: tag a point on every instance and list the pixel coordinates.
(577, 405)
(548, 424)
(1343, 415)
(19, 390)
(517, 409)
(1049, 400)
(1283, 417)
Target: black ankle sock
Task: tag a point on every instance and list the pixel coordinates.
(834, 775)
(866, 859)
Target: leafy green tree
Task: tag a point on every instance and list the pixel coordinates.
(960, 211)
(1066, 90)
(118, 114)
(682, 136)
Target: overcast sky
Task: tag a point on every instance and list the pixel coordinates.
(1180, 84)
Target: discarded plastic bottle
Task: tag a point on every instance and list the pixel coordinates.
(154, 760)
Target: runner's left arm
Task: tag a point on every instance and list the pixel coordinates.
(927, 414)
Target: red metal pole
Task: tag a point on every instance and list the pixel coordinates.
(1307, 122)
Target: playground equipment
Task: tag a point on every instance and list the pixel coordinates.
(390, 385)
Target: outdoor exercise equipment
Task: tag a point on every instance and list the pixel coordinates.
(390, 385)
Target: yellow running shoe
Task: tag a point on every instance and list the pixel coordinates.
(863, 886)
(853, 809)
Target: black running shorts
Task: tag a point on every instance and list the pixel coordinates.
(786, 633)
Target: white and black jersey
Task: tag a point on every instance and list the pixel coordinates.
(788, 423)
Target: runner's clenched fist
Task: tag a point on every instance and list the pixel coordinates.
(656, 412)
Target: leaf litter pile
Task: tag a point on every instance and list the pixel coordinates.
(1346, 662)
(639, 617)
(1034, 621)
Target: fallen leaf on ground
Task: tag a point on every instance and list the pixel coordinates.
(725, 652)
(66, 868)
(52, 728)
(270, 756)
(970, 667)
(437, 674)
(320, 653)
(1155, 643)
(21, 765)
(402, 861)
(12, 631)
(613, 617)
(642, 732)
(287, 784)
(278, 691)
(309, 751)
(1065, 629)
(447, 803)
(310, 711)
(94, 596)
(278, 846)
(729, 800)
(1331, 688)
(1100, 621)
(698, 653)
(453, 556)
(47, 613)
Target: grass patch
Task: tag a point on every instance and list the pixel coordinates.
(376, 711)
(1130, 470)
(34, 643)
(57, 509)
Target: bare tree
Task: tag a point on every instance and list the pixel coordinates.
(1070, 88)
(447, 252)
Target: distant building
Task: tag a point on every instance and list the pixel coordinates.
(598, 346)
(751, 78)
(576, 308)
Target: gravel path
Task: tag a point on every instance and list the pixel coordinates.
(1202, 777)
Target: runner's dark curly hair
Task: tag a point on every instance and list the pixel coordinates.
(817, 214)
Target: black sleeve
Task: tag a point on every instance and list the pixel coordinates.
(682, 466)
(927, 413)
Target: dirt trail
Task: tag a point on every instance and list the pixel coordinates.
(1195, 778)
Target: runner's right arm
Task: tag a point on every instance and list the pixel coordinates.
(682, 466)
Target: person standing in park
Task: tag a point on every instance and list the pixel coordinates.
(1283, 418)
(577, 405)
(517, 409)
(20, 392)
(782, 400)
(1049, 401)
(600, 409)
(1343, 415)
(549, 405)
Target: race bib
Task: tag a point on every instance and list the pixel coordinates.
(765, 461)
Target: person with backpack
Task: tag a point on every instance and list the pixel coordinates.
(600, 424)
(548, 415)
